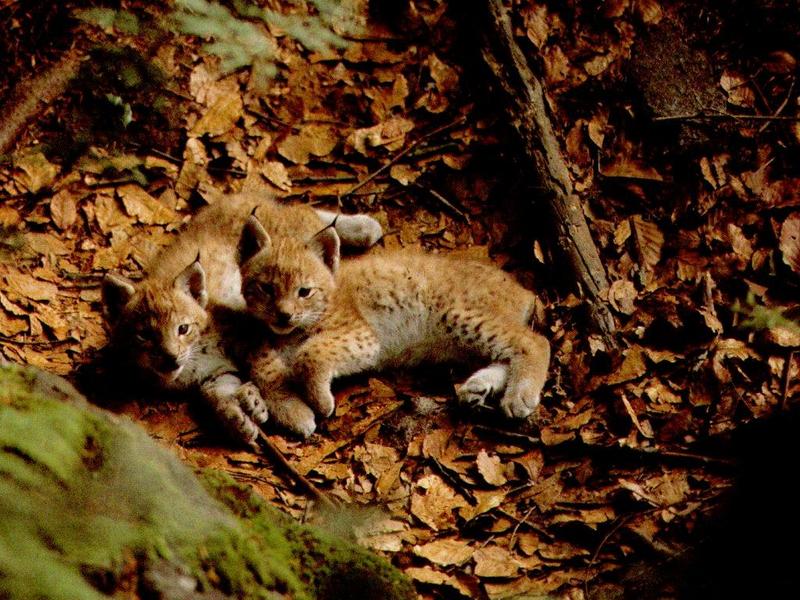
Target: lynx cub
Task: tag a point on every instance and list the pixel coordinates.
(173, 322)
(384, 310)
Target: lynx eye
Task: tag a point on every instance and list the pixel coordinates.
(304, 292)
(140, 337)
(183, 329)
(267, 289)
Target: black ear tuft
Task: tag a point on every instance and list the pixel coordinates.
(192, 281)
(116, 292)
(254, 239)
(326, 245)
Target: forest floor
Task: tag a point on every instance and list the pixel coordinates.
(692, 210)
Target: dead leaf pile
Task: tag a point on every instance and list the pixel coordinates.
(471, 506)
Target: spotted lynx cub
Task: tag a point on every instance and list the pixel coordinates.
(172, 324)
(384, 310)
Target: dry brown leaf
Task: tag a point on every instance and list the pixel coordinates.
(312, 140)
(487, 500)
(444, 76)
(615, 8)
(649, 241)
(622, 295)
(556, 64)
(63, 209)
(390, 133)
(404, 174)
(433, 577)
(142, 206)
(642, 426)
(277, 175)
(9, 217)
(108, 213)
(628, 167)
(632, 367)
(375, 458)
(551, 437)
(46, 244)
(739, 242)
(220, 117)
(12, 326)
(790, 242)
(537, 26)
(25, 286)
(445, 552)
(491, 469)
(738, 90)
(434, 503)
(495, 561)
(649, 11)
(598, 64)
(37, 171)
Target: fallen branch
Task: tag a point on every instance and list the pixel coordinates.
(33, 95)
(528, 113)
(264, 443)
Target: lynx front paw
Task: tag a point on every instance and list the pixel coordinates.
(250, 401)
(321, 398)
(521, 399)
(288, 411)
(238, 424)
(483, 385)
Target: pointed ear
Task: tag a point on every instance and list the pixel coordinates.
(192, 281)
(253, 240)
(116, 291)
(326, 245)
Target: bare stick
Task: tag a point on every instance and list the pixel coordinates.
(528, 113)
(265, 443)
(31, 96)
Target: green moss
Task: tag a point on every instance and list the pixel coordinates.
(330, 568)
(81, 489)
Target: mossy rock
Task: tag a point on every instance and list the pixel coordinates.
(90, 506)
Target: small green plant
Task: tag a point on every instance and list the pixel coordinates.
(758, 316)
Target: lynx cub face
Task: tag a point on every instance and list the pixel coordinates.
(287, 283)
(165, 325)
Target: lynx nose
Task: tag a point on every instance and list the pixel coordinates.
(167, 363)
(282, 318)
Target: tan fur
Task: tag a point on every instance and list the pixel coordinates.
(165, 321)
(394, 309)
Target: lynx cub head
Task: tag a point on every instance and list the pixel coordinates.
(287, 282)
(159, 323)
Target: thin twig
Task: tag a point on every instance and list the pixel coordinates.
(780, 108)
(453, 481)
(725, 115)
(402, 153)
(274, 120)
(787, 377)
(11, 340)
(444, 201)
(302, 481)
(620, 522)
(517, 526)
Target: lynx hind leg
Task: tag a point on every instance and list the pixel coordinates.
(484, 384)
(337, 352)
(356, 231)
(527, 374)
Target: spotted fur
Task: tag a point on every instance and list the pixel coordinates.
(176, 324)
(384, 310)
